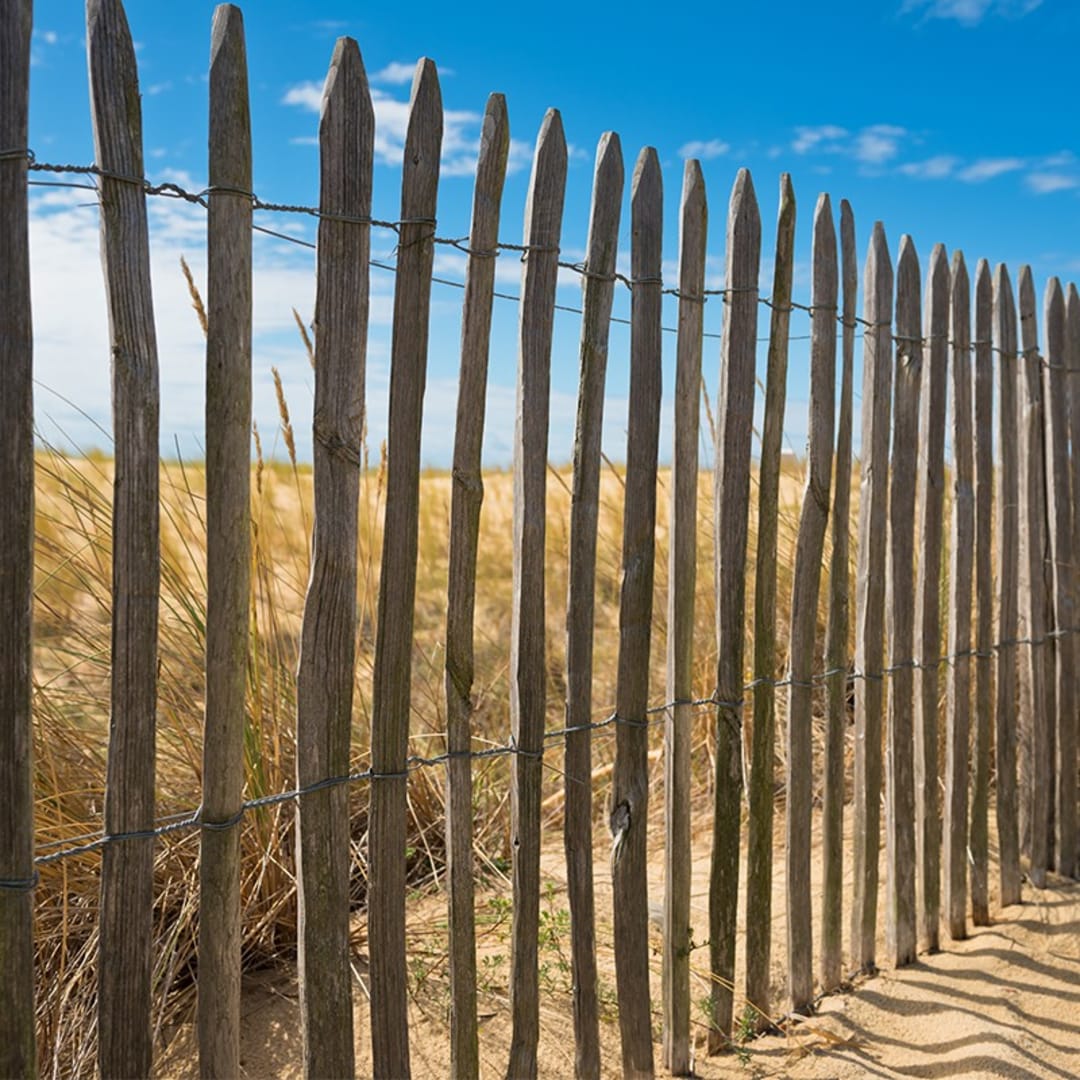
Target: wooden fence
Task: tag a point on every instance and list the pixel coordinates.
(1010, 620)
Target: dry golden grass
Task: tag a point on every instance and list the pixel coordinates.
(71, 710)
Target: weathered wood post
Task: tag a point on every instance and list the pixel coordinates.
(127, 876)
(228, 543)
(732, 502)
(18, 1055)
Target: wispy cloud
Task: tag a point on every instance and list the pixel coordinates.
(970, 12)
(877, 144)
(873, 145)
(1045, 183)
(935, 168)
(396, 73)
(988, 169)
(706, 150)
(823, 137)
(461, 130)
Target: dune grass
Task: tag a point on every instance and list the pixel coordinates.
(71, 698)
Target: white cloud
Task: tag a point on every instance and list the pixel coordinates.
(935, 168)
(970, 12)
(873, 145)
(988, 169)
(308, 95)
(1044, 183)
(461, 131)
(157, 88)
(706, 150)
(822, 137)
(878, 143)
(397, 73)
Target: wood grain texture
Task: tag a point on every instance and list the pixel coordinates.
(836, 632)
(930, 513)
(629, 801)
(961, 555)
(984, 594)
(732, 500)
(809, 549)
(598, 293)
(228, 543)
(1036, 688)
(870, 595)
(682, 583)
(397, 581)
(127, 888)
(528, 660)
(465, 504)
(1008, 547)
(1062, 612)
(328, 633)
(900, 597)
(1072, 363)
(762, 779)
(17, 1045)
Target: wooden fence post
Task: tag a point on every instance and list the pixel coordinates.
(468, 495)
(810, 546)
(682, 580)
(900, 788)
(324, 690)
(1072, 364)
(1008, 546)
(762, 779)
(598, 293)
(1036, 690)
(930, 512)
(870, 594)
(1063, 615)
(984, 594)
(397, 579)
(125, 958)
(228, 543)
(630, 779)
(836, 631)
(961, 548)
(18, 1055)
(732, 499)
(528, 662)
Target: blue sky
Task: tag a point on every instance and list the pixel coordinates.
(951, 120)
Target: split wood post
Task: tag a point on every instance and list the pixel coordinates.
(900, 787)
(836, 631)
(930, 513)
(870, 595)
(809, 550)
(762, 779)
(1072, 364)
(984, 594)
(391, 690)
(629, 816)
(125, 956)
(682, 582)
(528, 661)
(961, 551)
(732, 504)
(324, 685)
(18, 1055)
(228, 543)
(1059, 510)
(1036, 689)
(1008, 547)
(598, 293)
(465, 504)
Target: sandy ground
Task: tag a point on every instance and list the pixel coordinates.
(1003, 1003)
